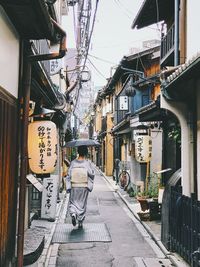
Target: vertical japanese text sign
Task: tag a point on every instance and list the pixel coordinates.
(123, 103)
(143, 148)
(49, 197)
(42, 146)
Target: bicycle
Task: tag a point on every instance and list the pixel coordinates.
(124, 176)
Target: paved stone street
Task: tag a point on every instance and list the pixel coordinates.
(128, 244)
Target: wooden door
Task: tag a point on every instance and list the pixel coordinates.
(8, 176)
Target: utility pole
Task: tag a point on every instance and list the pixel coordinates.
(78, 41)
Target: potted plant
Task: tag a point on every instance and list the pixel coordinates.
(143, 200)
(150, 192)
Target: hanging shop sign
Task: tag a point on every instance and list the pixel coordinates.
(123, 103)
(42, 146)
(143, 148)
(49, 197)
(55, 64)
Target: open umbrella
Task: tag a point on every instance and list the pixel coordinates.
(82, 142)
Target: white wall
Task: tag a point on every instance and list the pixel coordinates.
(9, 58)
(193, 26)
(181, 111)
(156, 161)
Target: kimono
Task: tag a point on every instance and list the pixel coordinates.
(79, 182)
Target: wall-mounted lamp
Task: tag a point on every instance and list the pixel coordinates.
(130, 91)
(40, 112)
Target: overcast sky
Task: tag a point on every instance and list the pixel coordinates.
(112, 36)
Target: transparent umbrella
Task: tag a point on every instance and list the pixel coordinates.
(82, 142)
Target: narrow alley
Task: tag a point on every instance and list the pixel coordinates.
(111, 235)
(110, 84)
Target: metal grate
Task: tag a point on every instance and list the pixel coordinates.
(153, 262)
(91, 232)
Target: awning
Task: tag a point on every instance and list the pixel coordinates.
(151, 112)
(156, 114)
(42, 88)
(34, 181)
(31, 18)
(125, 131)
(121, 126)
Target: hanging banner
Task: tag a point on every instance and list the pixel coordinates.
(55, 64)
(143, 148)
(42, 146)
(49, 197)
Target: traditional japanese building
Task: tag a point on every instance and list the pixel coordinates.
(27, 30)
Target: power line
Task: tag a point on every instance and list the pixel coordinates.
(124, 7)
(96, 69)
(104, 60)
(120, 7)
(74, 24)
(94, 17)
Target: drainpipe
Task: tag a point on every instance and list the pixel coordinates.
(62, 49)
(23, 160)
(176, 33)
(24, 135)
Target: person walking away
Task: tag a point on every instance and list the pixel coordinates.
(80, 180)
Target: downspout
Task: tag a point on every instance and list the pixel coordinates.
(176, 33)
(62, 49)
(23, 159)
(24, 134)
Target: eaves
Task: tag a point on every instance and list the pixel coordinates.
(180, 85)
(152, 12)
(122, 125)
(109, 88)
(31, 19)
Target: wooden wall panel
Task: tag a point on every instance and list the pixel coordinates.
(8, 176)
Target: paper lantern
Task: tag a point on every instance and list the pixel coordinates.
(143, 148)
(42, 146)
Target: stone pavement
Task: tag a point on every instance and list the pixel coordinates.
(37, 239)
(42, 231)
(152, 227)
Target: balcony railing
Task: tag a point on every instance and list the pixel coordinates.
(167, 44)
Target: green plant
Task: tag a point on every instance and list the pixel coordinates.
(175, 134)
(152, 187)
(131, 192)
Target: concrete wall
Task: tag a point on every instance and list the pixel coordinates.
(193, 26)
(182, 113)
(9, 59)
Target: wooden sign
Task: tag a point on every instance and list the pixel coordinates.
(143, 148)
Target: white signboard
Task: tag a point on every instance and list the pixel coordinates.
(49, 197)
(123, 103)
(42, 146)
(55, 66)
(143, 148)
